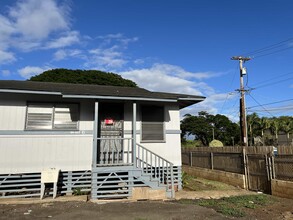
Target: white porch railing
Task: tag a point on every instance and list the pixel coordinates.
(156, 166)
(114, 151)
(118, 152)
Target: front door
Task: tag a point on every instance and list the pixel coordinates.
(111, 133)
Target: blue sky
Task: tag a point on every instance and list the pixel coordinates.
(180, 46)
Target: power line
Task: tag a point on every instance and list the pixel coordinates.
(229, 88)
(271, 103)
(273, 109)
(260, 104)
(276, 51)
(267, 48)
(273, 83)
(276, 77)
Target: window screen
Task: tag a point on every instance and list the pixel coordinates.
(152, 125)
(52, 117)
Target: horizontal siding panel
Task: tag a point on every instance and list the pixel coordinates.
(24, 154)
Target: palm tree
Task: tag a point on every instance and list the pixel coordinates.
(286, 125)
(264, 124)
(253, 124)
(275, 127)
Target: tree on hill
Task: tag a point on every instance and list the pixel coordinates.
(83, 77)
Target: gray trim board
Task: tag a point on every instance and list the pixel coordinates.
(18, 132)
(82, 132)
(192, 99)
(166, 131)
(118, 98)
(30, 92)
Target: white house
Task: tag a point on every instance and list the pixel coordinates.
(103, 139)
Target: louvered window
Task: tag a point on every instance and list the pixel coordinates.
(52, 116)
(152, 124)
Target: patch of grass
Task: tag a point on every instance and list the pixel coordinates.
(233, 206)
(79, 192)
(194, 183)
(191, 144)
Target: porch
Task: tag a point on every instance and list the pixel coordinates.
(120, 163)
(117, 174)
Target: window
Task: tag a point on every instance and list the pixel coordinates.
(152, 124)
(49, 116)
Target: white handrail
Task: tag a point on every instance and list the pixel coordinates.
(158, 167)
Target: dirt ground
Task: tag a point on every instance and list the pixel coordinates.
(197, 189)
(142, 210)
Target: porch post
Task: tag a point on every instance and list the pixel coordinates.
(134, 133)
(95, 134)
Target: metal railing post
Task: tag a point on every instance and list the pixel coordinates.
(134, 134)
(172, 183)
(95, 135)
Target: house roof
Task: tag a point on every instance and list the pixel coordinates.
(88, 91)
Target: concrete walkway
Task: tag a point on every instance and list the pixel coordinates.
(209, 194)
(212, 194)
(18, 201)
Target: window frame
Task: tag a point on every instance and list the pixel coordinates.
(53, 106)
(163, 123)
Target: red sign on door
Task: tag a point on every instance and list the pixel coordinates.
(109, 121)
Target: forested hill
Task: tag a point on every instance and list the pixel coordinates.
(83, 77)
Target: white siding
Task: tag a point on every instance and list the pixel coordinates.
(171, 149)
(12, 115)
(21, 154)
(172, 117)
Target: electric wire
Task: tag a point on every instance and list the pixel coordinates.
(270, 79)
(270, 47)
(260, 105)
(271, 103)
(229, 88)
(277, 51)
(274, 109)
(272, 83)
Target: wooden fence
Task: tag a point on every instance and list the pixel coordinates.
(258, 164)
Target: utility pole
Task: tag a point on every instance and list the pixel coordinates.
(243, 121)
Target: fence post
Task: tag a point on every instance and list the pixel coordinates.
(273, 166)
(245, 168)
(191, 158)
(212, 160)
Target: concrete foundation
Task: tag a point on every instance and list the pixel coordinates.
(233, 179)
(146, 193)
(282, 188)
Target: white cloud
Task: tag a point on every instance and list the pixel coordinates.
(6, 57)
(68, 39)
(180, 72)
(110, 54)
(107, 58)
(168, 78)
(60, 55)
(28, 24)
(174, 79)
(36, 19)
(30, 71)
(5, 73)
(64, 54)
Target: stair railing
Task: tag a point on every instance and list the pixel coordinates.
(156, 166)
